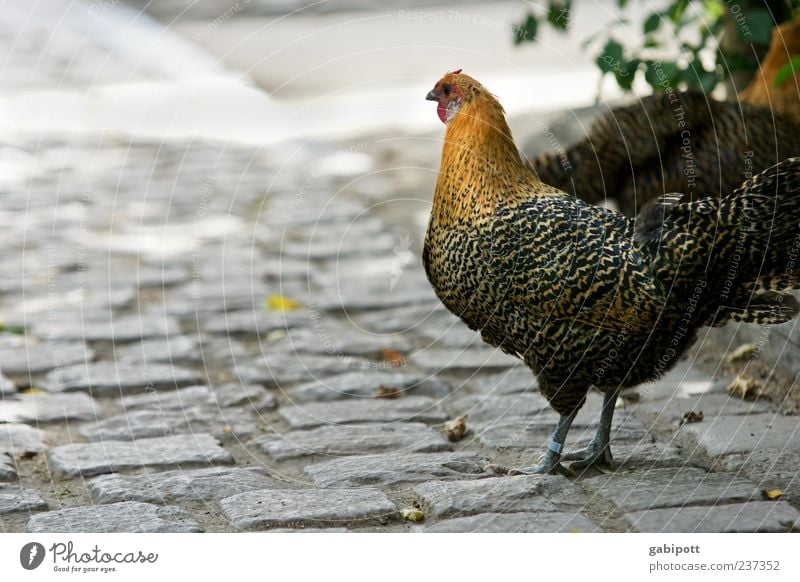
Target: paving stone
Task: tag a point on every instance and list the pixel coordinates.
(223, 350)
(124, 517)
(671, 487)
(36, 408)
(518, 433)
(110, 378)
(342, 244)
(118, 329)
(522, 494)
(512, 381)
(169, 486)
(392, 468)
(8, 469)
(7, 386)
(756, 516)
(170, 452)
(353, 298)
(671, 410)
(406, 319)
(311, 414)
(645, 455)
(20, 439)
(296, 508)
(770, 469)
(227, 395)
(312, 530)
(283, 369)
(14, 499)
(39, 358)
(252, 397)
(683, 381)
(333, 337)
(471, 359)
(152, 422)
(174, 350)
(484, 409)
(254, 321)
(455, 335)
(516, 523)
(724, 435)
(366, 384)
(350, 439)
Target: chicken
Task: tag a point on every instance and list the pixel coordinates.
(670, 142)
(582, 294)
(762, 91)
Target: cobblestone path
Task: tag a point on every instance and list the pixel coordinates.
(206, 337)
(200, 336)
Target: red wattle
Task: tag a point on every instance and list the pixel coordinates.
(441, 109)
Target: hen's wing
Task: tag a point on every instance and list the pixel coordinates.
(572, 262)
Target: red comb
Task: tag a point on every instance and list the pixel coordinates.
(456, 72)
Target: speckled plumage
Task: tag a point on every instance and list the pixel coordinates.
(670, 142)
(584, 295)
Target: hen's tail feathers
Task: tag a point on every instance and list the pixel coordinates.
(766, 259)
(744, 249)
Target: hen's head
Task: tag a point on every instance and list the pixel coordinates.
(452, 92)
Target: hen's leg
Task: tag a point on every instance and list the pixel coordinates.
(599, 450)
(550, 463)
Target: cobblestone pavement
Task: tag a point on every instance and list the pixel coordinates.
(196, 338)
(204, 336)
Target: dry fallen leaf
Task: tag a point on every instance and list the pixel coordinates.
(394, 357)
(742, 353)
(277, 302)
(773, 493)
(690, 417)
(388, 392)
(414, 515)
(745, 387)
(275, 335)
(456, 429)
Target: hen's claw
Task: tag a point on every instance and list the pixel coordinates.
(549, 465)
(594, 454)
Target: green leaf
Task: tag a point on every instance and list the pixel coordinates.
(652, 23)
(714, 9)
(526, 30)
(662, 75)
(756, 26)
(626, 74)
(622, 3)
(611, 56)
(676, 10)
(786, 71)
(702, 79)
(559, 14)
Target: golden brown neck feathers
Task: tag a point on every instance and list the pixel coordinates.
(481, 165)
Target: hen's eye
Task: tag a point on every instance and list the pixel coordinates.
(446, 89)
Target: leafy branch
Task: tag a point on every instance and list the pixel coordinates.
(716, 38)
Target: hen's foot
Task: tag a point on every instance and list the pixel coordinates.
(548, 465)
(596, 454)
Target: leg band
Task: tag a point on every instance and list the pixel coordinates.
(554, 446)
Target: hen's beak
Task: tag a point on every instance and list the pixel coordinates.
(431, 96)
